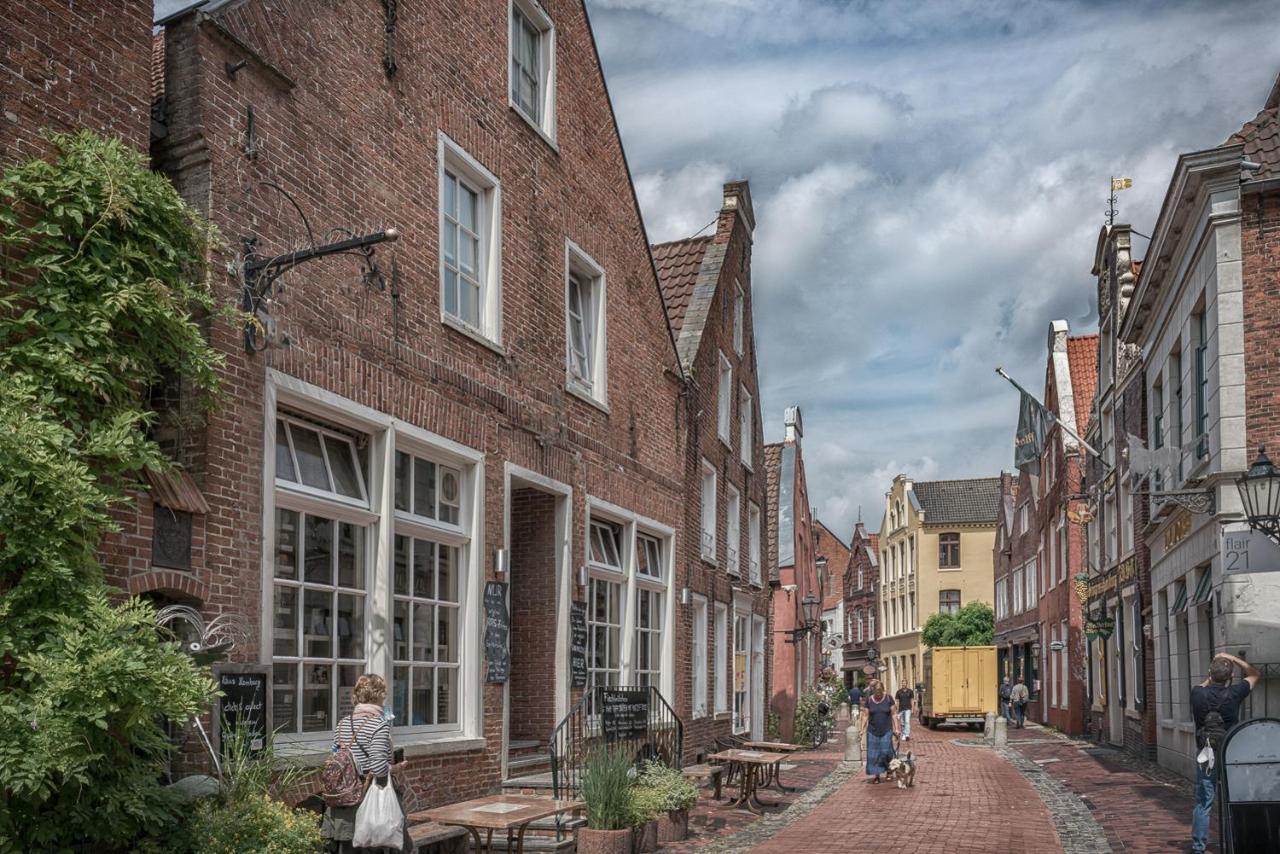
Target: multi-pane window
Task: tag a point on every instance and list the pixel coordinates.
(585, 318)
(739, 312)
(949, 551)
(1175, 371)
(741, 672)
(1002, 601)
(1033, 579)
(871, 625)
(721, 652)
(461, 249)
(708, 511)
(746, 426)
(733, 530)
(1157, 430)
(1202, 383)
(753, 537)
(649, 612)
(857, 622)
(426, 490)
(425, 620)
(604, 606)
(1016, 583)
(532, 52)
(581, 329)
(699, 657)
(725, 402)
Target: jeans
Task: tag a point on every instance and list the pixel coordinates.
(904, 718)
(1206, 786)
(1020, 712)
(1006, 708)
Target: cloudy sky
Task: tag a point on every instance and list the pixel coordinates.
(929, 177)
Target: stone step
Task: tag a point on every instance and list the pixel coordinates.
(522, 745)
(535, 784)
(528, 763)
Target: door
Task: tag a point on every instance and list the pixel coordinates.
(757, 680)
(1115, 711)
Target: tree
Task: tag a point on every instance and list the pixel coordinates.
(101, 268)
(972, 625)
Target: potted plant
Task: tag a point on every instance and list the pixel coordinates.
(606, 787)
(663, 797)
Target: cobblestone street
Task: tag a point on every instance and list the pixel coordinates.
(1043, 793)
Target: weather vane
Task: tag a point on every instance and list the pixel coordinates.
(1117, 184)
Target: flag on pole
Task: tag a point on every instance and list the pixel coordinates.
(1121, 184)
(1028, 442)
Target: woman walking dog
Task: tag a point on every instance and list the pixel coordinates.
(881, 726)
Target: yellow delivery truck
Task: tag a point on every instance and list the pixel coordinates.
(960, 685)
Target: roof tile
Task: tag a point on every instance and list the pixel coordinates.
(678, 264)
(1082, 359)
(958, 502)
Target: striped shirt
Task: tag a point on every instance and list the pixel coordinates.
(369, 737)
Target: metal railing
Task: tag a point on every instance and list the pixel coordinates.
(754, 578)
(731, 558)
(709, 544)
(1264, 700)
(593, 723)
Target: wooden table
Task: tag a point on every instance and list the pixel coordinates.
(755, 765)
(773, 778)
(509, 813)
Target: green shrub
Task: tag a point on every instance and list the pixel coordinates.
(659, 789)
(254, 823)
(606, 787)
(972, 625)
(829, 690)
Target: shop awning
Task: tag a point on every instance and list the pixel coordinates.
(1180, 599)
(1203, 589)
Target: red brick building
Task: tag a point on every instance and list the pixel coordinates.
(797, 638)
(724, 673)
(497, 400)
(1017, 628)
(832, 561)
(861, 602)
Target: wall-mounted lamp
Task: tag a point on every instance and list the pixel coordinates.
(501, 562)
(684, 596)
(582, 576)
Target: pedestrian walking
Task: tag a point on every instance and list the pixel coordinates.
(1215, 707)
(881, 729)
(1005, 690)
(855, 702)
(366, 732)
(1018, 698)
(905, 696)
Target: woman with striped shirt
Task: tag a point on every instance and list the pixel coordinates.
(367, 732)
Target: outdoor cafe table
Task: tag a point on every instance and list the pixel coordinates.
(511, 814)
(773, 780)
(756, 768)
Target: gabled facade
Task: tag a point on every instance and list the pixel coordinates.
(723, 630)
(797, 646)
(1017, 627)
(861, 604)
(832, 563)
(499, 402)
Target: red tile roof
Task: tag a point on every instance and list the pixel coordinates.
(1082, 359)
(1261, 137)
(678, 264)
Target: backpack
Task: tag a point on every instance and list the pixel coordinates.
(341, 784)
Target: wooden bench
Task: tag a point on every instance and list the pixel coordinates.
(437, 838)
(701, 773)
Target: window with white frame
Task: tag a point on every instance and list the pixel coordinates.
(948, 601)
(321, 536)
(721, 639)
(586, 328)
(739, 313)
(470, 243)
(708, 512)
(699, 657)
(606, 580)
(1017, 591)
(871, 625)
(741, 671)
(650, 611)
(1064, 661)
(1001, 593)
(753, 537)
(532, 54)
(857, 622)
(1033, 577)
(746, 427)
(733, 530)
(725, 403)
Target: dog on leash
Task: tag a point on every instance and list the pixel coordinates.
(902, 770)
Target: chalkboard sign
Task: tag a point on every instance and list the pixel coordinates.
(243, 705)
(578, 644)
(497, 633)
(624, 713)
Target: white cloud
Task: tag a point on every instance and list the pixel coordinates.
(681, 202)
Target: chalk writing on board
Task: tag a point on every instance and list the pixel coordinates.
(624, 713)
(578, 644)
(243, 705)
(497, 632)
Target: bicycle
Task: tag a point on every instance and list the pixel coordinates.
(823, 726)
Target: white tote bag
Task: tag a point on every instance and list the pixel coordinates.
(379, 819)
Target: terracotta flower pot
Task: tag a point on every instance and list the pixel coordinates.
(673, 826)
(604, 841)
(646, 837)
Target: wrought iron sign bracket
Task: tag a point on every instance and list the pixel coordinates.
(260, 274)
(1201, 501)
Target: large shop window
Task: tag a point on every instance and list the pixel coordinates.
(722, 654)
(699, 657)
(649, 612)
(741, 671)
(323, 535)
(604, 607)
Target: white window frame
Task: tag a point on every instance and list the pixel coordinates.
(545, 122)
(741, 720)
(721, 641)
(746, 427)
(594, 387)
(707, 547)
(733, 530)
(385, 434)
(699, 669)
(452, 158)
(755, 573)
(739, 318)
(724, 400)
(600, 572)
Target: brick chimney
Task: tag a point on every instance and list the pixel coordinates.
(737, 203)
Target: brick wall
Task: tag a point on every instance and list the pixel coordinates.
(1260, 251)
(69, 65)
(533, 614)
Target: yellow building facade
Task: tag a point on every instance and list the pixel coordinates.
(936, 543)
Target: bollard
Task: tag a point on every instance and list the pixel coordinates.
(842, 713)
(852, 745)
(989, 727)
(1001, 732)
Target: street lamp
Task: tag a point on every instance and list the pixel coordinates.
(1260, 492)
(809, 609)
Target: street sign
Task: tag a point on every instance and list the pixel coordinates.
(1245, 551)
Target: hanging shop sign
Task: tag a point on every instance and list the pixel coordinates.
(1100, 628)
(1125, 572)
(1248, 551)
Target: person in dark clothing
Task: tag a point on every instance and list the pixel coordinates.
(904, 697)
(1005, 705)
(881, 728)
(855, 702)
(1215, 707)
